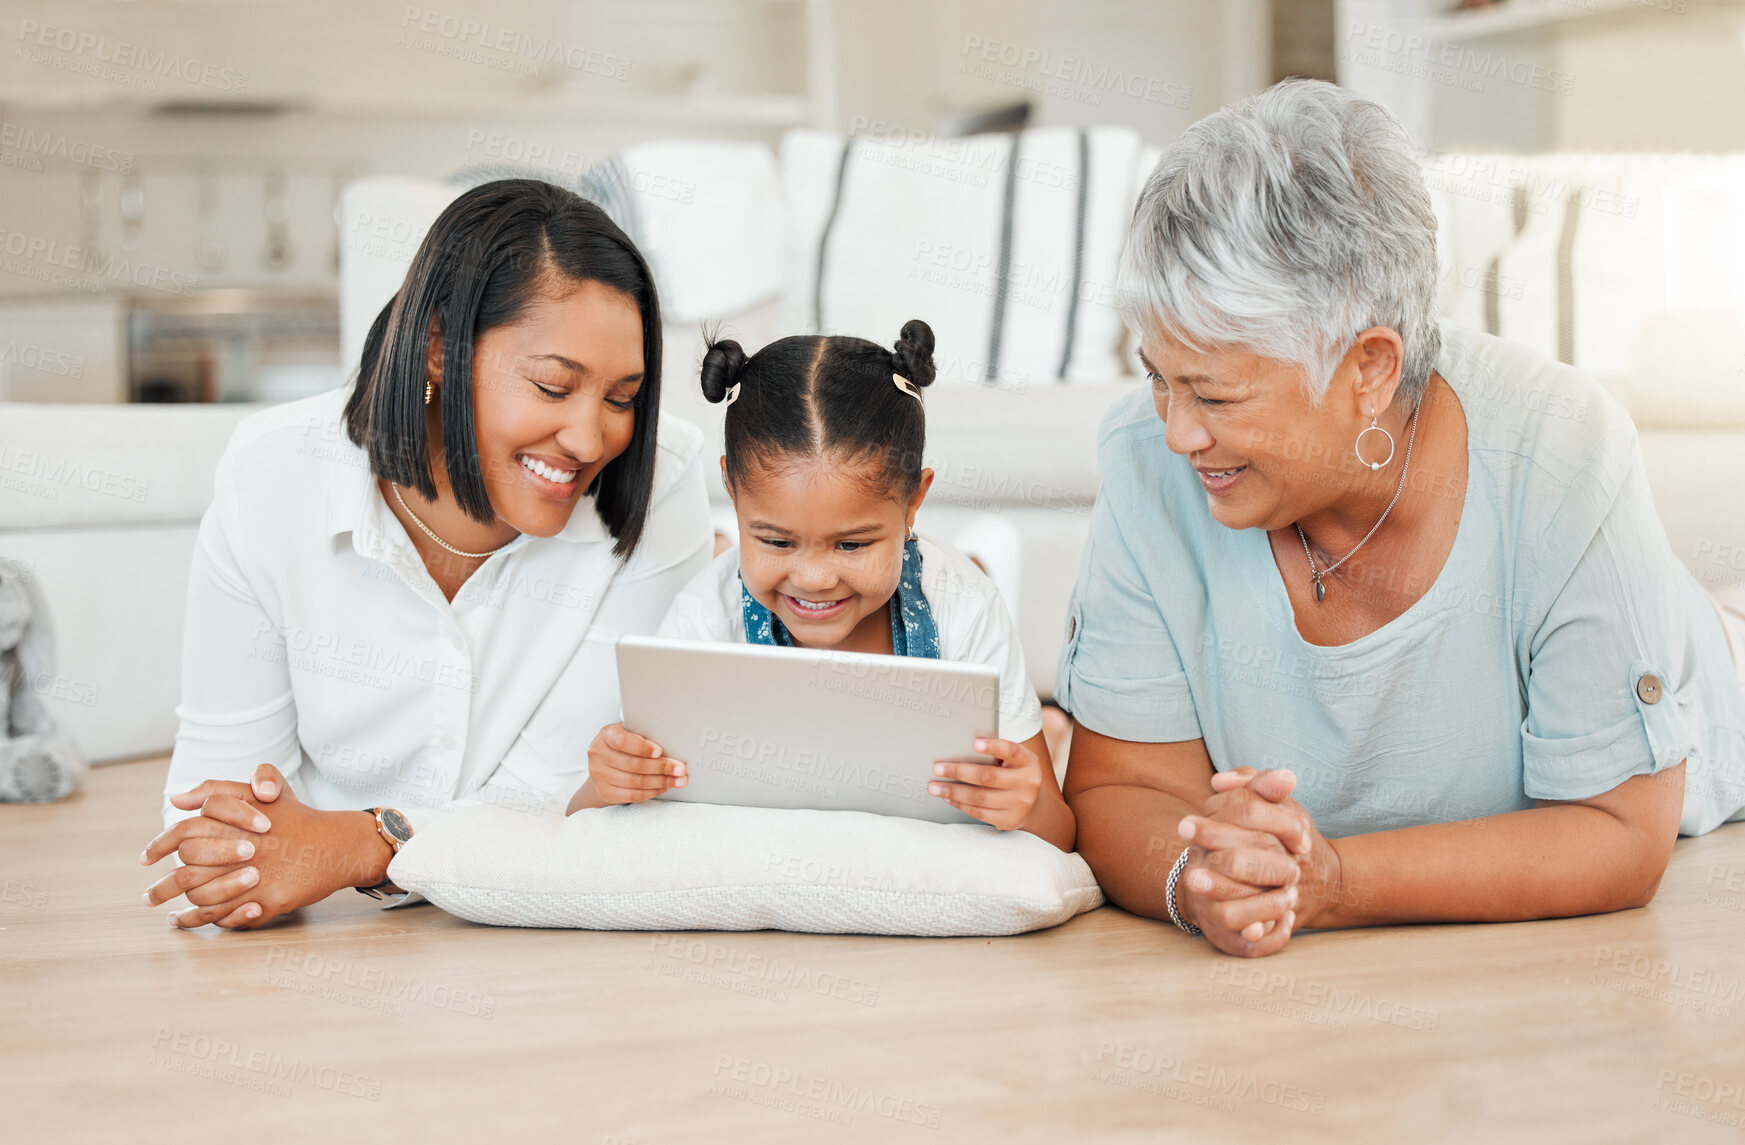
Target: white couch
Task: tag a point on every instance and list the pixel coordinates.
(99, 505)
(1655, 310)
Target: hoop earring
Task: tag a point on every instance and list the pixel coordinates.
(1357, 448)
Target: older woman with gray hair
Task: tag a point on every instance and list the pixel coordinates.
(1377, 622)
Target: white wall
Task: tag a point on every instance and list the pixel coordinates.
(1654, 80)
(1553, 75)
(316, 93)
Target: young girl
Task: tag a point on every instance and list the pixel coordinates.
(823, 462)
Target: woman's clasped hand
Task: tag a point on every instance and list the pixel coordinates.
(256, 852)
(1258, 869)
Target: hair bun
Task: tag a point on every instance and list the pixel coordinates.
(914, 352)
(722, 367)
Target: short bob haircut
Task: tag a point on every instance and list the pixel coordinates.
(492, 253)
(1285, 225)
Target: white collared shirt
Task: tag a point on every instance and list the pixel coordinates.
(316, 639)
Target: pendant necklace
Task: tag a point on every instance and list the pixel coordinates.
(1317, 574)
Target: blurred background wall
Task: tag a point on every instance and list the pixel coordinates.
(154, 155)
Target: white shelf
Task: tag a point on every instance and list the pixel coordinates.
(1522, 16)
(735, 109)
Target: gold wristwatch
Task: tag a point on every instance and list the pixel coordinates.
(392, 827)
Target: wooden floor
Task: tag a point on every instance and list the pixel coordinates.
(354, 1024)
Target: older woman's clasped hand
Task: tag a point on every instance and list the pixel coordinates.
(1258, 868)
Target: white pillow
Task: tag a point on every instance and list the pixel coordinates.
(695, 866)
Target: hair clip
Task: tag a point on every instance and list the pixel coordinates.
(906, 386)
(733, 394)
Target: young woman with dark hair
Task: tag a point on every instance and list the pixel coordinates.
(824, 440)
(405, 596)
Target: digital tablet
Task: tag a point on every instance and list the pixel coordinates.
(762, 726)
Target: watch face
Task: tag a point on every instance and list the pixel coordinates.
(395, 824)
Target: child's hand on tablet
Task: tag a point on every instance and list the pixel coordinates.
(1003, 794)
(623, 767)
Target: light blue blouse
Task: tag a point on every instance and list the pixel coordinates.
(1527, 671)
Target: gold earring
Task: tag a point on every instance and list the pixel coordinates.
(429, 389)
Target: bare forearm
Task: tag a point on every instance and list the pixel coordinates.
(584, 799)
(1128, 836)
(1053, 820)
(1549, 862)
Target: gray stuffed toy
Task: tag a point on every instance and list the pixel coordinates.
(37, 763)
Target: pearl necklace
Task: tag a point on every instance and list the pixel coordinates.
(488, 552)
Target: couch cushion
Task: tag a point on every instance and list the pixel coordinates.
(887, 227)
(91, 465)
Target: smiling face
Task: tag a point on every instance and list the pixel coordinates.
(554, 401)
(821, 547)
(1264, 454)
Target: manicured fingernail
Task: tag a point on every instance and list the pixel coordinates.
(935, 788)
(245, 850)
(250, 876)
(981, 745)
(657, 751)
(175, 919)
(1291, 897)
(1290, 919)
(1185, 828)
(143, 860)
(269, 789)
(680, 781)
(251, 911)
(939, 769)
(262, 824)
(145, 898)
(678, 769)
